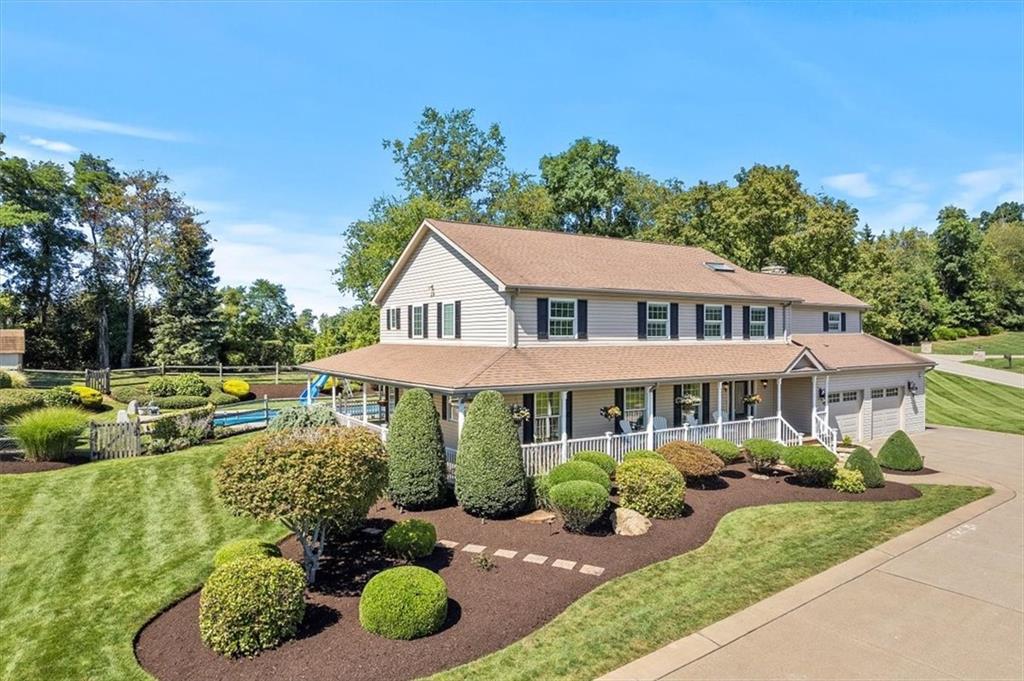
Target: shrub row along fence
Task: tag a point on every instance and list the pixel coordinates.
(100, 379)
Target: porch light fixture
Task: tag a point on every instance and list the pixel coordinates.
(821, 393)
(764, 383)
(912, 387)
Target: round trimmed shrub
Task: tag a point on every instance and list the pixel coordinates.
(127, 393)
(90, 397)
(417, 472)
(651, 486)
(812, 464)
(581, 503)
(251, 604)
(692, 460)
(410, 539)
(161, 386)
(236, 387)
(642, 454)
(245, 548)
(14, 402)
(301, 416)
(899, 454)
(49, 434)
(404, 603)
(600, 459)
(178, 401)
(490, 480)
(861, 460)
(579, 470)
(725, 450)
(190, 384)
(849, 481)
(61, 396)
(763, 455)
(5, 380)
(219, 398)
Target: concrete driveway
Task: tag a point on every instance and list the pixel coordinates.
(957, 364)
(944, 601)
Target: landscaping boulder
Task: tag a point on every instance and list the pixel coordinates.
(538, 517)
(629, 523)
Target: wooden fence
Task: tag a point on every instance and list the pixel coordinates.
(115, 440)
(98, 379)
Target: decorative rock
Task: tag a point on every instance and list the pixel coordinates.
(759, 476)
(538, 517)
(629, 523)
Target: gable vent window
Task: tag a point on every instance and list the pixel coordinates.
(720, 267)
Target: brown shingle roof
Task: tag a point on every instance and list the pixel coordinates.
(858, 350)
(539, 259)
(455, 367)
(12, 341)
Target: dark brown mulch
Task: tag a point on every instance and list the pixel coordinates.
(487, 611)
(923, 471)
(11, 465)
(277, 390)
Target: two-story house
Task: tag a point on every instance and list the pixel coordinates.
(567, 326)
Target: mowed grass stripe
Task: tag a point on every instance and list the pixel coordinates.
(971, 403)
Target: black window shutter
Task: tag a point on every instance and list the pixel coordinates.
(746, 391)
(568, 413)
(727, 313)
(440, 326)
(824, 321)
(410, 322)
(387, 405)
(700, 321)
(641, 319)
(528, 423)
(581, 319)
(458, 319)
(444, 407)
(542, 318)
(426, 328)
(673, 320)
(705, 402)
(398, 317)
(771, 322)
(842, 321)
(746, 321)
(677, 409)
(387, 318)
(620, 402)
(396, 396)
(654, 403)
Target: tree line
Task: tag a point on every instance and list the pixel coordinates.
(106, 267)
(967, 273)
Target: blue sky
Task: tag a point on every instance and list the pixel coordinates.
(270, 116)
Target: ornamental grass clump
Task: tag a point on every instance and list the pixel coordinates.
(313, 481)
(763, 455)
(600, 459)
(49, 434)
(245, 548)
(490, 481)
(404, 603)
(812, 465)
(581, 503)
(251, 604)
(692, 460)
(725, 450)
(900, 454)
(579, 470)
(417, 471)
(860, 459)
(410, 539)
(651, 486)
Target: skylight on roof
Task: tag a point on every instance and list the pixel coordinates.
(719, 267)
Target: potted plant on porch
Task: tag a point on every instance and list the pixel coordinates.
(688, 403)
(752, 401)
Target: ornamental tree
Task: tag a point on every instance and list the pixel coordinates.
(313, 481)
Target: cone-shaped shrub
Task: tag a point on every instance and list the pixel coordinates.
(416, 465)
(899, 454)
(861, 460)
(489, 476)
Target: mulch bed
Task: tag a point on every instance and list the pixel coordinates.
(276, 391)
(12, 465)
(487, 610)
(923, 471)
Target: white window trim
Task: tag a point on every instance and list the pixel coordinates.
(575, 317)
(444, 306)
(634, 414)
(720, 322)
(552, 418)
(838, 322)
(667, 320)
(452, 409)
(417, 310)
(751, 322)
(851, 395)
(835, 398)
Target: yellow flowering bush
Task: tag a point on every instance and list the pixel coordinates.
(91, 398)
(236, 387)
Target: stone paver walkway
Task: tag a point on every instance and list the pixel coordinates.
(956, 364)
(534, 558)
(943, 601)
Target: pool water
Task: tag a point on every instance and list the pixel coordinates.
(230, 419)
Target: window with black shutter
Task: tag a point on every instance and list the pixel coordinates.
(641, 319)
(581, 319)
(542, 318)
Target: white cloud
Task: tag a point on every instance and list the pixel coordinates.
(907, 180)
(51, 118)
(852, 184)
(907, 214)
(50, 145)
(1004, 182)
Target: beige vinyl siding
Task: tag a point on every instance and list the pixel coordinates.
(483, 308)
(912, 407)
(612, 319)
(807, 319)
(796, 402)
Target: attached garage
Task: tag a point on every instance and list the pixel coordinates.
(844, 412)
(885, 411)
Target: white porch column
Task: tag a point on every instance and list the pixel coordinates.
(649, 416)
(814, 405)
(778, 409)
(563, 420)
(462, 420)
(334, 395)
(364, 402)
(309, 390)
(827, 408)
(718, 412)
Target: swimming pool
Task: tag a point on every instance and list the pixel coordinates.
(236, 419)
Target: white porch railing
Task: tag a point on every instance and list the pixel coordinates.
(347, 420)
(825, 434)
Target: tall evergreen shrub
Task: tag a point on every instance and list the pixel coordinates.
(416, 463)
(489, 477)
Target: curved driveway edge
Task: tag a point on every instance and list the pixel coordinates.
(944, 600)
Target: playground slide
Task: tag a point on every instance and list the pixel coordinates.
(314, 389)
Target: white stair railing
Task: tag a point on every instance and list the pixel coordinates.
(825, 434)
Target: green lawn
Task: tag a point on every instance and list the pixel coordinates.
(961, 401)
(89, 554)
(1011, 342)
(999, 363)
(754, 553)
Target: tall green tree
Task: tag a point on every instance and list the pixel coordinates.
(962, 268)
(521, 201)
(1008, 211)
(187, 329)
(586, 185)
(1004, 242)
(259, 324)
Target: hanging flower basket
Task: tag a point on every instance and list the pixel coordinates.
(689, 403)
(611, 412)
(752, 399)
(519, 413)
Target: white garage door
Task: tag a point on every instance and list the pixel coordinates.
(844, 412)
(885, 411)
